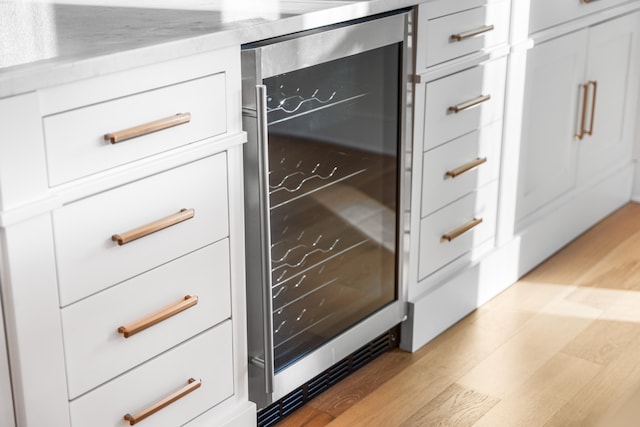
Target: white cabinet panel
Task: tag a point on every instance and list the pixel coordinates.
(89, 261)
(435, 250)
(550, 121)
(461, 58)
(579, 113)
(6, 401)
(613, 68)
(22, 152)
(207, 357)
(491, 22)
(463, 92)
(75, 139)
(96, 352)
(65, 192)
(439, 188)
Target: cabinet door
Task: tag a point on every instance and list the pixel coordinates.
(612, 68)
(548, 148)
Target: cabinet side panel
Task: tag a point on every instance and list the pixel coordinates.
(32, 316)
(6, 397)
(22, 158)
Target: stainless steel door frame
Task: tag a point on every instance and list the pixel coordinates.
(266, 60)
(286, 54)
(337, 349)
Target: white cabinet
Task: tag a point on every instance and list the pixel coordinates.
(564, 142)
(122, 267)
(462, 121)
(463, 102)
(461, 64)
(570, 123)
(580, 103)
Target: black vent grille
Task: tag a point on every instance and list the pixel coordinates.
(298, 397)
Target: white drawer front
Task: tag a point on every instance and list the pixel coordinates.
(89, 261)
(437, 8)
(462, 33)
(207, 357)
(75, 139)
(95, 352)
(444, 177)
(547, 13)
(459, 91)
(436, 252)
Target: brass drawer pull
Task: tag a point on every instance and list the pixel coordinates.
(160, 315)
(147, 128)
(191, 386)
(583, 117)
(469, 104)
(587, 1)
(593, 106)
(453, 234)
(154, 226)
(466, 167)
(471, 33)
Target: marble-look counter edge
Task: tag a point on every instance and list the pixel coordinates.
(56, 71)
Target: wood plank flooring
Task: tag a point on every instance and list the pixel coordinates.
(559, 348)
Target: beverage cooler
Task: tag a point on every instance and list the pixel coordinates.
(324, 179)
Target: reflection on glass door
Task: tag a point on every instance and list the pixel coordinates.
(333, 190)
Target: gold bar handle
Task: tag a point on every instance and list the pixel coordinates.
(471, 33)
(583, 117)
(152, 227)
(469, 104)
(190, 387)
(159, 316)
(453, 234)
(466, 167)
(587, 1)
(147, 128)
(593, 106)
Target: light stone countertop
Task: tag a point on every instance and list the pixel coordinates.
(47, 44)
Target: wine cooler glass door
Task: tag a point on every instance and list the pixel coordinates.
(333, 142)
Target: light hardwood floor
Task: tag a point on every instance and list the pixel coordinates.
(559, 348)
